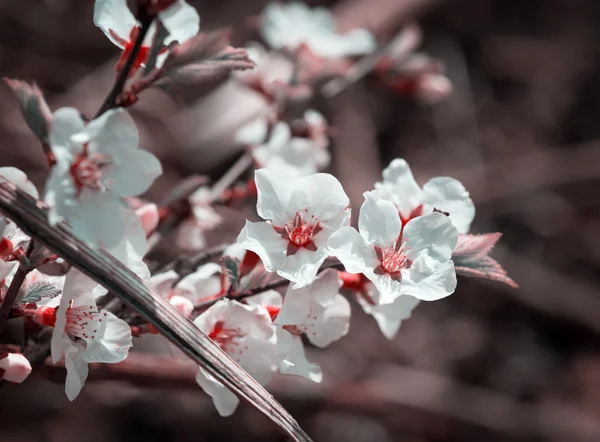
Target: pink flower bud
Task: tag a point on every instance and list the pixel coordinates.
(183, 305)
(432, 88)
(14, 367)
(149, 218)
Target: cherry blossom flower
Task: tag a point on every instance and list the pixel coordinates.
(301, 155)
(270, 70)
(292, 24)
(442, 193)
(96, 165)
(190, 235)
(115, 19)
(14, 367)
(82, 333)
(414, 260)
(302, 214)
(133, 246)
(149, 217)
(389, 317)
(247, 335)
(317, 311)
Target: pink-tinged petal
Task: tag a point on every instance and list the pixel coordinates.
(224, 400)
(433, 234)
(293, 358)
(324, 194)
(112, 133)
(390, 317)
(6, 268)
(429, 280)
(270, 298)
(274, 193)
(400, 187)
(14, 368)
(77, 371)
(331, 324)
(266, 243)
(296, 307)
(190, 236)
(66, 123)
(350, 248)
(378, 221)
(149, 217)
(181, 20)
(18, 177)
(114, 15)
(132, 173)
(301, 268)
(449, 195)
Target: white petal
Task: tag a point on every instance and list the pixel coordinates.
(324, 194)
(6, 268)
(379, 222)
(163, 282)
(429, 280)
(266, 243)
(387, 288)
(114, 15)
(331, 324)
(269, 298)
(293, 358)
(111, 343)
(350, 248)
(112, 132)
(296, 307)
(18, 177)
(132, 172)
(389, 317)
(302, 267)
(252, 133)
(401, 187)
(77, 371)
(273, 195)
(433, 234)
(181, 20)
(98, 218)
(449, 195)
(324, 289)
(224, 400)
(66, 122)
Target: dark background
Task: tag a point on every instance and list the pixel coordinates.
(489, 363)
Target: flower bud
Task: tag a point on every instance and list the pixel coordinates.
(14, 367)
(148, 215)
(46, 316)
(183, 305)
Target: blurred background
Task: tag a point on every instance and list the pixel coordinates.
(520, 130)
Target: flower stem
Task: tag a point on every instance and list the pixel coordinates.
(11, 295)
(111, 99)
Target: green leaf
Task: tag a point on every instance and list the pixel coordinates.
(37, 291)
(231, 269)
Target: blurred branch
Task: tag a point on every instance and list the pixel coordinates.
(30, 215)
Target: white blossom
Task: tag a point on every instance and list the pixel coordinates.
(317, 311)
(96, 165)
(247, 335)
(442, 193)
(300, 155)
(301, 214)
(82, 333)
(412, 260)
(293, 24)
(190, 235)
(115, 19)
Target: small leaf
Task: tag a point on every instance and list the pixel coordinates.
(33, 107)
(37, 291)
(204, 58)
(471, 258)
(231, 269)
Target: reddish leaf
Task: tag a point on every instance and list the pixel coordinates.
(471, 258)
(33, 107)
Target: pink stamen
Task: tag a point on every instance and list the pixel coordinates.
(300, 232)
(392, 259)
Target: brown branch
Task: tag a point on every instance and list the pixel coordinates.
(31, 216)
(111, 99)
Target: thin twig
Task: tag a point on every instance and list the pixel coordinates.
(111, 99)
(238, 168)
(11, 295)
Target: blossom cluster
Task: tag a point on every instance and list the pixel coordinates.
(402, 251)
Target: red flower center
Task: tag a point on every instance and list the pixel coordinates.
(392, 260)
(300, 232)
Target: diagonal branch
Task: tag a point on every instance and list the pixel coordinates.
(30, 215)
